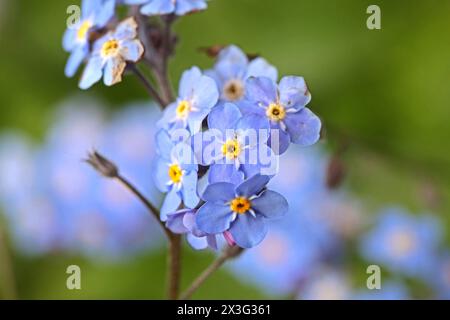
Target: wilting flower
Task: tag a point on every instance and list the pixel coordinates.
(161, 7)
(175, 173)
(284, 108)
(95, 14)
(403, 243)
(233, 68)
(183, 222)
(235, 146)
(240, 209)
(197, 95)
(111, 53)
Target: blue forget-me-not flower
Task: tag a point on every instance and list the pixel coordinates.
(111, 53)
(240, 209)
(284, 108)
(95, 14)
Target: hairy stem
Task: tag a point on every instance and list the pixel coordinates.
(148, 86)
(229, 253)
(153, 210)
(174, 254)
(7, 276)
(162, 74)
(174, 267)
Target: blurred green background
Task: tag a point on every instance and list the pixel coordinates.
(383, 94)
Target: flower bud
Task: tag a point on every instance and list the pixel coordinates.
(102, 165)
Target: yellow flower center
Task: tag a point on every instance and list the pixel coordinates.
(175, 173)
(110, 48)
(233, 90)
(231, 149)
(240, 205)
(275, 112)
(83, 30)
(183, 109)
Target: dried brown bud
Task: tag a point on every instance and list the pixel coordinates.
(335, 172)
(102, 165)
(212, 51)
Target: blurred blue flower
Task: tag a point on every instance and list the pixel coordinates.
(62, 204)
(233, 68)
(183, 222)
(234, 146)
(242, 209)
(197, 95)
(95, 14)
(402, 242)
(284, 108)
(175, 173)
(326, 284)
(162, 7)
(17, 168)
(389, 291)
(439, 280)
(110, 55)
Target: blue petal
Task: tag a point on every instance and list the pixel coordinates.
(75, 60)
(224, 117)
(234, 55)
(90, 7)
(207, 146)
(182, 153)
(158, 7)
(132, 50)
(212, 241)
(228, 70)
(126, 30)
(214, 218)
(113, 71)
(261, 68)
(69, 39)
(294, 92)
(197, 243)
(196, 118)
(190, 223)
(260, 160)
(164, 144)
(104, 14)
(261, 90)
(250, 107)
(168, 117)
(160, 174)
(279, 142)
(186, 6)
(252, 186)
(248, 231)
(170, 204)
(205, 93)
(92, 72)
(175, 222)
(136, 1)
(221, 192)
(188, 80)
(225, 173)
(189, 190)
(271, 205)
(254, 122)
(303, 127)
